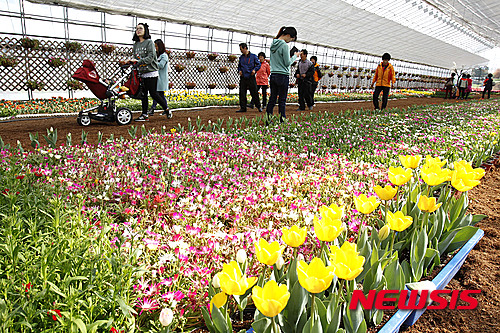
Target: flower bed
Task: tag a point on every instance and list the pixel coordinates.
(133, 228)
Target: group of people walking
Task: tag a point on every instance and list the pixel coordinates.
(256, 74)
(461, 88)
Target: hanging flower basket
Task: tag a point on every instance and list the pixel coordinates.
(212, 85)
(223, 69)
(212, 56)
(353, 69)
(73, 46)
(324, 86)
(351, 88)
(201, 68)
(179, 67)
(345, 68)
(331, 74)
(343, 87)
(357, 87)
(326, 67)
(28, 43)
(170, 85)
(190, 54)
(348, 75)
(231, 86)
(35, 85)
(335, 67)
(362, 77)
(360, 69)
(56, 62)
(373, 71)
(369, 77)
(232, 57)
(355, 76)
(334, 86)
(107, 48)
(168, 52)
(292, 85)
(7, 61)
(340, 75)
(190, 85)
(74, 85)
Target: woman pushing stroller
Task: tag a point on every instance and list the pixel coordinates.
(145, 60)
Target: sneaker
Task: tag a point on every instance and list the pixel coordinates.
(310, 108)
(299, 109)
(167, 113)
(241, 110)
(151, 112)
(260, 109)
(250, 106)
(142, 117)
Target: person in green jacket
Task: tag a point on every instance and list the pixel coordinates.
(144, 54)
(281, 60)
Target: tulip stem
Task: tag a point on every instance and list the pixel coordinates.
(392, 242)
(425, 220)
(275, 329)
(341, 289)
(385, 212)
(312, 311)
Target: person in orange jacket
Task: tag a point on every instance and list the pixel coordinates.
(384, 77)
(316, 77)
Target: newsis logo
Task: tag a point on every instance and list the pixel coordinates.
(381, 300)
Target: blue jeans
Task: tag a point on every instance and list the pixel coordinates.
(279, 89)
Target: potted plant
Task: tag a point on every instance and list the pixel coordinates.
(353, 69)
(212, 85)
(201, 68)
(8, 61)
(232, 57)
(344, 68)
(324, 86)
(74, 85)
(362, 77)
(28, 43)
(212, 56)
(340, 75)
(107, 48)
(355, 76)
(326, 67)
(331, 74)
(56, 62)
(190, 85)
(231, 86)
(179, 67)
(170, 85)
(223, 69)
(334, 86)
(348, 75)
(343, 87)
(335, 67)
(35, 85)
(190, 54)
(73, 46)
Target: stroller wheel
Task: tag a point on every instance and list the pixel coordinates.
(83, 120)
(123, 116)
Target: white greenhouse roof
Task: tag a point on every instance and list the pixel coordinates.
(368, 26)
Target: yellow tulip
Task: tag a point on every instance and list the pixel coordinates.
(294, 236)
(399, 176)
(365, 205)
(386, 193)
(232, 281)
(433, 175)
(330, 226)
(463, 181)
(398, 221)
(426, 204)
(346, 260)
(314, 277)
(430, 161)
(409, 161)
(268, 253)
(384, 232)
(271, 299)
(218, 300)
(466, 167)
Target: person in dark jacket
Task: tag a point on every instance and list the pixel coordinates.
(247, 67)
(448, 86)
(488, 85)
(304, 75)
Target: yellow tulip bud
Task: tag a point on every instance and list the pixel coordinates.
(409, 161)
(294, 236)
(271, 299)
(398, 221)
(218, 300)
(384, 232)
(231, 280)
(426, 204)
(399, 176)
(385, 193)
(268, 253)
(346, 260)
(365, 205)
(314, 277)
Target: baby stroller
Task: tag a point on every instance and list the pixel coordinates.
(106, 92)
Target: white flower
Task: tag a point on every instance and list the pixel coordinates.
(215, 281)
(241, 256)
(300, 256)
(280, 262)
(166, 316)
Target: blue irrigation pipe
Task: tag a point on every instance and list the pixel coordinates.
(406, 318)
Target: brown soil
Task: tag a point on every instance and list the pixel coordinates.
(12, 131)
(480, 271)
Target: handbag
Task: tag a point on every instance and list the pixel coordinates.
(135, 85)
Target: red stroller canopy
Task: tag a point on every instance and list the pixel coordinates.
(88, 75)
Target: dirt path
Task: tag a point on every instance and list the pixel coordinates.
(19, 130)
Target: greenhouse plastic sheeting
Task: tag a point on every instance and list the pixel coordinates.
(332, 23)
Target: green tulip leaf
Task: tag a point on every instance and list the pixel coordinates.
(208, 320)
(297, 303)
(219, 321)
(263, 325)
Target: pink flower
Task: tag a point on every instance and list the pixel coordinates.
(146, 304)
